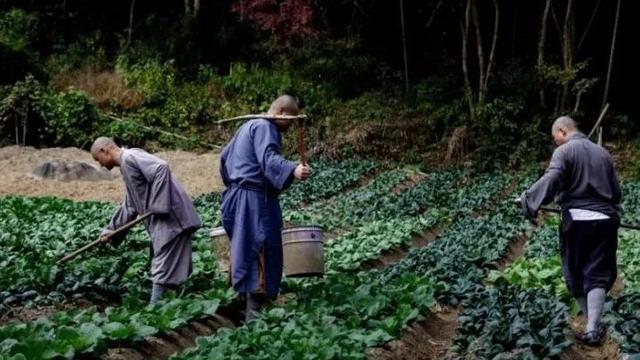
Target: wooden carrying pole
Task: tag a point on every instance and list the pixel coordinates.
(168, 133)
(300, 118)
(95, 243)
(262, 116)
(301, 147)
(558, 211)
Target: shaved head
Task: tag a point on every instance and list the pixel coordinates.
(566, 123)
(285, 105)
(562, 129)
(102, 142)
(105, 151)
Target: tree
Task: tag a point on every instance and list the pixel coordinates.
(477, 95)
(286, 19)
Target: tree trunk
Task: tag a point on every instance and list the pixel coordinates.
(496, 26)
(464, 27)
(578, 96)
(433, 14)
(589, 25)
(130, 30)
(24, 128)
(541, 44)
(514, 29)
(481, 66)
(15, 118)
(556, 22)
(613, 47)
(567, 51)
(196, 7)
(404, 49)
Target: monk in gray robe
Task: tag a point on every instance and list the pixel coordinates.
(150, 187)
(583, 180)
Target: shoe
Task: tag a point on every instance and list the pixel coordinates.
(593, 338)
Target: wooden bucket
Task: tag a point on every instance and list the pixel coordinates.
(303, 251)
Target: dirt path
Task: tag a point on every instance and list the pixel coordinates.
(23, 314)
(431, 337)
(163, 346)
(426, 339)
(197, 172)
(608, 351)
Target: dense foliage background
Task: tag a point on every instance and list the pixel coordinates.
(469, 78)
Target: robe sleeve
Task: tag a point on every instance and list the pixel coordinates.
(276, 169)
(157, 174)
(544, 190)
(223, 169)
(124, 214)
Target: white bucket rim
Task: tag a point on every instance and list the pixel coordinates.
(219, 231)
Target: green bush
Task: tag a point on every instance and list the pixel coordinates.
(20, 121)
(340, 65)
(127, 132)
(153, 77)
(258, 87)
(70, 118)
(64, 119)
(87, 51)
(17, 29)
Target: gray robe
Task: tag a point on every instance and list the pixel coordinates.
(150, 187)
(580, 175)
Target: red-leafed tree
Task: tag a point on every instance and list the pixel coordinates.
(286, 18)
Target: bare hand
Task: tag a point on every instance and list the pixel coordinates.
(518, 202)
(302, 172)
(104, 240)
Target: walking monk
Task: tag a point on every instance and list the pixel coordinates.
(254, 172)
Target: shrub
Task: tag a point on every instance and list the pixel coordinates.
(70, 118)
(17, 29)
(153, 77)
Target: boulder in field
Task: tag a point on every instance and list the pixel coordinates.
(65, 170)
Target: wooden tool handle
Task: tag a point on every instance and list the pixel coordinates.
(301, 148)
(95, 243)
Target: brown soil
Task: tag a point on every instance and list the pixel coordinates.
(22, 314)
(197, 172)
(516, 249)
(608, 351)
(163, 346)
(393, 256)
(413, 179)
(426, 339)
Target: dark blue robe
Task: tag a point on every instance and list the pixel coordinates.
(254, 172)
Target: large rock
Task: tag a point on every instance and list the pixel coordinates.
(71, 170)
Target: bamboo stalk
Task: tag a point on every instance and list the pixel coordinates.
(604, 111)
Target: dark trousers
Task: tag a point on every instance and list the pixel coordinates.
(588, 251)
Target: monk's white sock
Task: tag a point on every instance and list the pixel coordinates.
(595, 303)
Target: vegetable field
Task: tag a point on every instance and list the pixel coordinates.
(401, 246)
